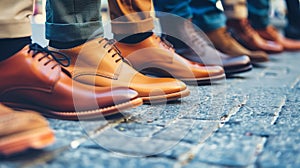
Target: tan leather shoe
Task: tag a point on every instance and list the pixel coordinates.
(38, 83)
(243, 32)
(98, 62)
(224, 42)
(156, 57)
(270, 33)
(22, 130)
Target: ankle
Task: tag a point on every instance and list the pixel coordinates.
(132, 39)
(65, 45)
(10, 46)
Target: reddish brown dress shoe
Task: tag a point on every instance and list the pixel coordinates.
(30, 79)
(20, 131)
(156, 57)
(98, 62)
(243, 32)
(224, 42)
(270, 33)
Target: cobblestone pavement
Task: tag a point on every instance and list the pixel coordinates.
(251, 120)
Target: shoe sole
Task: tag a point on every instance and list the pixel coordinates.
(206, 80)
(32, 139)
(166, 97)
(81, 115)
(236, 70)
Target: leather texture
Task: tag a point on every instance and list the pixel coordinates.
(270, 33)
(224, 42)
(33, 80)
(194, 46)
(23, 130)
(243, 32)
(157, 57)
(232, 65)
(98, 62)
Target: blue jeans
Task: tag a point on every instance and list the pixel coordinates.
(204, 13)
(293, 14)
(258, 13)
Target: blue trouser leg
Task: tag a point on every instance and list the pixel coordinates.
(258, 13)
(177, 7)
(293, 13)
(206, 15)
(73, 20)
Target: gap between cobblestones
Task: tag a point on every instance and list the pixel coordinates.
(185, 158)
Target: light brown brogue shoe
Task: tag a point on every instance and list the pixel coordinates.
(30, 79)
(270, 33)
(155, 56)
(24, 130)
(98, 62)
(224, 42)
(244, 33)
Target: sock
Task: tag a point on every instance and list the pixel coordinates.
(177, 43)
(132, 39)
(10, 46)
(65, 45)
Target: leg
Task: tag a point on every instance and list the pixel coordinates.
(131, 20)
(259, 18)
(242, 30)
(15, 33)
(177, 7)
(71, 23)
(98, 61)
(206, 15)
(293, 28)
(15, 29)
(210, 19)
(189, 41)
(259, 13)
(293, 14)
(159, 51)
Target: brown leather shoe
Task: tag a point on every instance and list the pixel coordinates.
(270, 33)
(98, 62)
(156, 57)
(243, 32)
(39, 83)
(22, 130)
(223, 41)
(190, 43)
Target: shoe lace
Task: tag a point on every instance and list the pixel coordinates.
(165, 42)
(195, 37)
(64, 60)
(113, 47)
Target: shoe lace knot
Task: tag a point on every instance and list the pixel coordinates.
(64, 60)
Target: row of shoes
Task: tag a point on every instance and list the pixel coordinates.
(103, 77)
